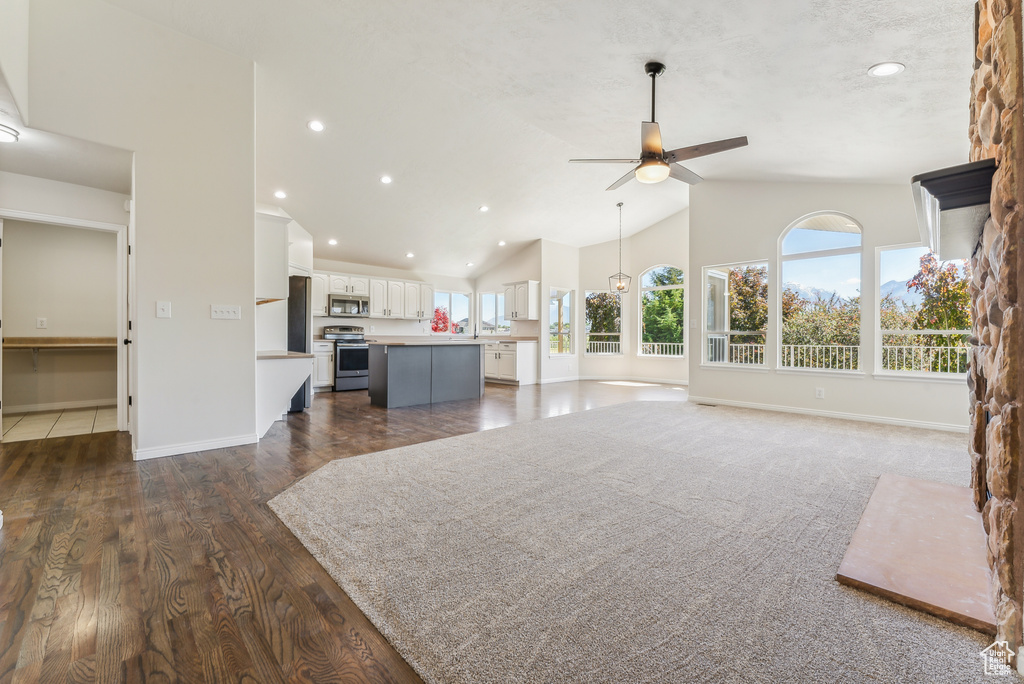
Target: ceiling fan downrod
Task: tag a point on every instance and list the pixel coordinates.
(654, 70)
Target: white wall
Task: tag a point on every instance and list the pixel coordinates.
(102, 74)
(732, 222)
(383, 326)
(665, 243)
(14, 15)
(53, 198)
(68, 276)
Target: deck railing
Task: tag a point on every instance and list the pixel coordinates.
(745, 351)
(932, 351)
(830, 356)
(599, 343)
(662, 348)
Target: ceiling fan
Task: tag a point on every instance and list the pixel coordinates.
(655, 163)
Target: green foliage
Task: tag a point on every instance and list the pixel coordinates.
(832, 320)
(603, 313)
(663, 318)
(946, 303)
(667, 275)
(748, 303)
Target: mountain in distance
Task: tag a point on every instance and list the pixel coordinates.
(898, 290)
(807, 293)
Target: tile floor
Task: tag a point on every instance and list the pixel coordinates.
(24, 426)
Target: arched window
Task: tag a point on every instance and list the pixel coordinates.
(662, 312)
(821, 288)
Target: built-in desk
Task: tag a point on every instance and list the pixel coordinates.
(34, 344)
(415, 371)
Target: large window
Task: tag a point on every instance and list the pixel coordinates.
(820, 300)
(560, 321)
(736, 301)
(451, 313)
(604, 322)
(924, 312)
(492, 314)
(662, 312)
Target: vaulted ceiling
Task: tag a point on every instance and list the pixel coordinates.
(467, 103)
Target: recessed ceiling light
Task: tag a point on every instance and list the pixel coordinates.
(501, 244)
(886, 69)
(280, 194)
(332, 242)
(469, 263)
(485, 208)
(316, 126)
(385, 179)
(409, 255)
(8, 134)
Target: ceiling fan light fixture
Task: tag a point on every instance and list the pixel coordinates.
(8, 134)
(652, 171)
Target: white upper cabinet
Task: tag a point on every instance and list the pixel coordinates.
(426, 301)
(358, 285)
(320, 284)
(271, 256)
(396, 299)
(522, 301)
(378, 298)
(412, 300)
(339, 284)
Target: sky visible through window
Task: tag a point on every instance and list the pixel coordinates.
(831, 274)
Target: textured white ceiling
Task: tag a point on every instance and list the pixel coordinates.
(466, 103)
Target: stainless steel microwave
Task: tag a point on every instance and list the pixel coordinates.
(348, 306)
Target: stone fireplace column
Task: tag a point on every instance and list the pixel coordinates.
(996, 375)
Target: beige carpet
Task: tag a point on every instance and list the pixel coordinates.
(647, 542)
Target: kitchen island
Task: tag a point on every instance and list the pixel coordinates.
(422, 370)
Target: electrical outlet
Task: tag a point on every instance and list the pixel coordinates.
(372, 328)
(226, 312)
(40, 323)
(819, 393)
(163, 309)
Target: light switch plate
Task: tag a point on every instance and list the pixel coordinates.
(226, 312)
(40, 323)
(163, 309)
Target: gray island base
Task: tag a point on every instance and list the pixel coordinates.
(411, 374)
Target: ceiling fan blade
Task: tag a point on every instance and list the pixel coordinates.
(684, 174)
(622, 181)
(650, 139)
(704, 149)
(604, 161)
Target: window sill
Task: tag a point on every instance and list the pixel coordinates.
(822, 371)
(735, 367)
(910, 376)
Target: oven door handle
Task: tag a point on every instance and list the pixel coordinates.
(352, 346)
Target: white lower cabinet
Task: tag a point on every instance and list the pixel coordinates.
(511, 362)
(323, 368)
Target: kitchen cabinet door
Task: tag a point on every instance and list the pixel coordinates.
(412, 301)
(427, 300)
(491, 364)
(358, 286)
(506, 365)
(339, 284)
(396, 299)
(510, 302)
(319, 285)
(323, 374)
(378, 298)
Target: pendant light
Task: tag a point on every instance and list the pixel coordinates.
(619, 282)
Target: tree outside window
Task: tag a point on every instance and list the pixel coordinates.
(451, 313)
(560, 321)
(604, 322)
(662, 312)
(924, 312)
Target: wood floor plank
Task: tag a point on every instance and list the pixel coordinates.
(176, 570)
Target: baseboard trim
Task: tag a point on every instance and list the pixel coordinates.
(635, 378)
(548, 381)
(192, 447)
(885, 420)
(61, 405)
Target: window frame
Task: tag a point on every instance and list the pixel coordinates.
(469, 317)
(573, 313)
(705, 363)
(587, 333)
(879, 333)
(640, 312)
(818, 254)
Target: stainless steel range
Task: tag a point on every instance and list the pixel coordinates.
(351, 357)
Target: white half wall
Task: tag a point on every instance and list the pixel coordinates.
(742, 221)
(185, 109)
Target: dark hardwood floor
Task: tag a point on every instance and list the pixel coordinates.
(175, 569)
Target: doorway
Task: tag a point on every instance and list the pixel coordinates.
(64, 303)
